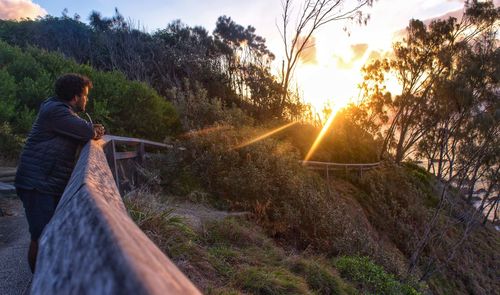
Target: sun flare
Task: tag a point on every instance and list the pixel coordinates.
(319, 138)
(263, 136)
(326, 86)
(331, 81)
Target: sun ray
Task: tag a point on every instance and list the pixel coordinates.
(320, 136)
(264, 135)
(204, 131)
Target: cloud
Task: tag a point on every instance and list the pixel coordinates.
(342, 64)
(308, 55)
(17, 9)
(358, 51)
(458, 14)
(375, 55)
(400, 34)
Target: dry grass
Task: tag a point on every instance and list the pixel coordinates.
(232, 255)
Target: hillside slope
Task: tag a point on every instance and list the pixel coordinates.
(363, 231)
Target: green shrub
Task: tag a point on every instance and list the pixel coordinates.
(320, 277)
(370, 276)
(266, 178)
(231, 231)
(125, 107)
(10, 144)
(395, 201)
(222, 291)
(424, 182)
(24, 120)
(198, 110)
(270, 281)
(419, 173)
(344, 142)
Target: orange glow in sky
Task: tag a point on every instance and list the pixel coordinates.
(326, 81)
(331, 72)
(333, 75)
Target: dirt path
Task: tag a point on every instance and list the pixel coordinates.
(197, 214)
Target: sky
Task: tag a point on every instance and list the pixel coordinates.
(330, 71)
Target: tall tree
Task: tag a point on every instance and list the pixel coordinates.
(312, 15)
(425, 64)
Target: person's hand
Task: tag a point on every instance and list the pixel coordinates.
(98, 131)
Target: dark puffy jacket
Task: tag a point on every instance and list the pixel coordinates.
(49, 156)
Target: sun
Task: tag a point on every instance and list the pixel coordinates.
(326, 83)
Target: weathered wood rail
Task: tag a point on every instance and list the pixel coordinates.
(329, 166)
(91, 246)
(123, 164)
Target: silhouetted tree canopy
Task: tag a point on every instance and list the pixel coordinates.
(224, 63)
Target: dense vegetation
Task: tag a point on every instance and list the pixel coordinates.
(234, 256)
(448, 110)
(383, 215)
(233, 64)
(125, 107)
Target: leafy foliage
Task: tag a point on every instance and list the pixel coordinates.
(126, 108)
(320, 277)
(10, 143)
(346, 141)
(446, 69)
(271, 281)
(232, 65)
(371, 277)
(293, 204)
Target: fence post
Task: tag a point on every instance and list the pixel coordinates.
(110, 155)
(141, 154)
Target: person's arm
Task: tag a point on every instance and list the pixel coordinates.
(67, 123)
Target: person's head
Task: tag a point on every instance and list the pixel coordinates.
(74, 89)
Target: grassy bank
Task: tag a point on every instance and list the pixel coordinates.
(370, 225)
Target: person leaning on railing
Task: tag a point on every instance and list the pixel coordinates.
(49, 155)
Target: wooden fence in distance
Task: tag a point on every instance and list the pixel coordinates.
(329, 166)
(124, 154)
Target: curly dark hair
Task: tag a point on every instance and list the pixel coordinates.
(69, 85)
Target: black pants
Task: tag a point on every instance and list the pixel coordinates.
(39, 210)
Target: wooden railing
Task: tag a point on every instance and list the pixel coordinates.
(329, 166)
(123, 164)
(92, 246)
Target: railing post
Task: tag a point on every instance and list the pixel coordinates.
(141, 153)
(141, 156)
(327, 174)
(110, 155)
